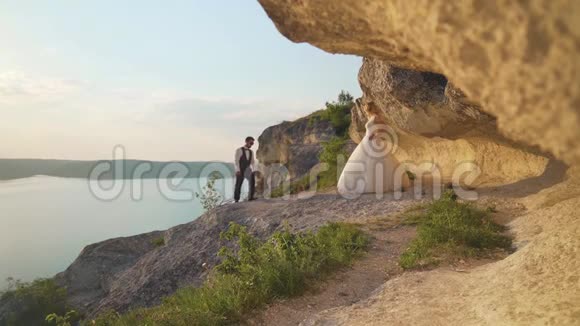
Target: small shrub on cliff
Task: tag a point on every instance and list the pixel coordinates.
(210, 197)
(451, 227)
(252, 273)
(33, 301)
(337, 112)
(158, 242)
(339, 116)
(66, 320)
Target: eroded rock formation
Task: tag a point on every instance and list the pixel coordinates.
(517, 59)
(295, 144)
(421, 103)
(436, 124)
(513, 83)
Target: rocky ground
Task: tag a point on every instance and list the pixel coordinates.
(136, 271)
(131, 272)
(540, 213)
(357, 286)
(515, 62)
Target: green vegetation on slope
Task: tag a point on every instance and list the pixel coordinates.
(332, 150)
(32, 302)
(337, 112)
(251, 275)
(448, 227)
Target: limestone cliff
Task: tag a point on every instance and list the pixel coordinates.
(493, 82)
(518, 60)
(422, 103)
(295, 144)
(436, 123)
(490, 82)
(439, 124)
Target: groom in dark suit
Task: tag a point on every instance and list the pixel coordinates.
(244, 162)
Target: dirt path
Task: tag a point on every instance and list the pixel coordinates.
(380, 264)
(349, 285)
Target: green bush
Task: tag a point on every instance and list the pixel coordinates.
(252, 273)
(451, 227)
(339, 116)
(337, 112)
(210, 197)
(331, 150)
(33, 301)
(317, 116)
(66, 320)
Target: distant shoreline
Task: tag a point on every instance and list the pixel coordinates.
(13, 169)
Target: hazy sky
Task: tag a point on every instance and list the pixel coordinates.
(169, 80)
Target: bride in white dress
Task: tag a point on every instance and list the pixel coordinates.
(372, 168)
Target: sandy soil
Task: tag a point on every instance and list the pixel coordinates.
(538, 284)
(368, 274)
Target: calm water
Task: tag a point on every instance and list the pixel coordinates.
(46, 221)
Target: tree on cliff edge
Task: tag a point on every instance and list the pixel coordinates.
(339, 112)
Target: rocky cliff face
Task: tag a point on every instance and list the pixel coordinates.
(482, 81)
(518, 60)
(130, 272)
(436, 123)
(495, 83)
(295, 144)
(421, 103)
(439, 120)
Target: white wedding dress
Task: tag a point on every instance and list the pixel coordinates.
(372, 168)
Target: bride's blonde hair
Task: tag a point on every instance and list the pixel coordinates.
(372, 110)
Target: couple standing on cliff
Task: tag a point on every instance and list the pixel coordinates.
(371, 168)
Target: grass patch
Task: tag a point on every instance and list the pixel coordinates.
(31, 302)
(158, 242)
(338, 113)
(413, 214)
(450, 228)
(251, 274)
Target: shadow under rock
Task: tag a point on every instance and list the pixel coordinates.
(554, 173)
